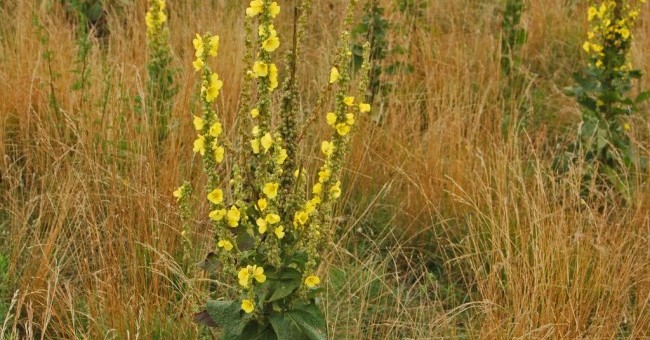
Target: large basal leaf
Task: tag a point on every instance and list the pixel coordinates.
(310, 320)
(255, 331)
(285, 328)
(228, 316)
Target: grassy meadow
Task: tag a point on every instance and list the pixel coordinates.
(452, 223)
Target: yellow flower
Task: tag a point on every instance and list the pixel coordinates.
(243, 276)
(596, 47)
(199, 145)
(262, 204)
(627, 127)
(267, 141)
(342, 128)
(625, 33)
(331, 118)
(198, 46)
(214, 45)
(282, 156)
(349, 101)
(271, 44)
(258, 273)
(273, 77)
(334, 75)
(262, 31)
(219, 152)
(301, 217)
(315, 201)
(216, 196)
(233, 217)
(279, 232)
(271, 189)
(255, 272)
(215, 130)
(247, 306)
(214, 87)
(274, 9)
(364, 107)
(255, 113)
(225, 244)
(349, 119)
(591, 13)
(217, 215)
(255, 145)
(148, 19)
(335, 190)
(324, 175)
(178, 193)
(317, 189)
(312, 281)
(255, 8)
(311, 205)
(198, 64)
(272, 218)
(199, 123)
(256, 130)
(261, 224)
(260, 69)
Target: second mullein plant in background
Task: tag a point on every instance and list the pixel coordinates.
(603, 92)
(160, 86)
(270, 228)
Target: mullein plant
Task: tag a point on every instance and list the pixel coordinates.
(160, 86)
(270, 228)
(603, 91)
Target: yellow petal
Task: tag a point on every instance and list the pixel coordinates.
(334, 75)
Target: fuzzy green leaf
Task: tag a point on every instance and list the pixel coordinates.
(310, 320)
(228, 316)
(289, 281)
(255, 331)
(285, 327)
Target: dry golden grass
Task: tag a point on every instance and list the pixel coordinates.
(448, 229)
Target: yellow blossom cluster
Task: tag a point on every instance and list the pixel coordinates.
(609, 36)
(342, 120)
(155, 17)
(208, 142)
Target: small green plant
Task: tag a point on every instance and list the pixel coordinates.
(375, 29)
(48, 55)
(603, 91)
(81, 70)
(182, 194)
(270, 229)
(160, 87)
(513, 36)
